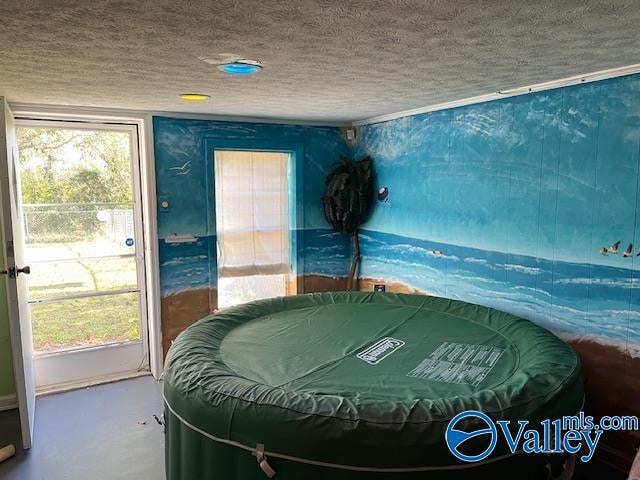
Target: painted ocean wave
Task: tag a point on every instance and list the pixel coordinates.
(185, 266)
(579, 300)
(179, 261)
(191, 265)
(613, 282)
(475, 260)
(594, 301)
(519, 268)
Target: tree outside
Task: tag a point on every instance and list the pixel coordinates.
(77, 204)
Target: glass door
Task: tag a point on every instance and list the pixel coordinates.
(81, 209)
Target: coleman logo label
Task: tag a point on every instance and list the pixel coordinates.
(380, 350)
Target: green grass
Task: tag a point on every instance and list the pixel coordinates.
(82, 322)
(85, 322)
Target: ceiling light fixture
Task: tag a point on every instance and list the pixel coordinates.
(241, 66)
(194, 97)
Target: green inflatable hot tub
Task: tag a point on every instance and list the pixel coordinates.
(355, 385)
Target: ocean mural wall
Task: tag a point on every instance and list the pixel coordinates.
(186, 210)
(527, 204)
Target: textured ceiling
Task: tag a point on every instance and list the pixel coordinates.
(329, 61)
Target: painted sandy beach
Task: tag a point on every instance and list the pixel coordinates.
(181, 309)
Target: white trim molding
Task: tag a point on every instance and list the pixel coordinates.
(152, 255)
(143, 121)
(104, 114)
(512, 92)
(8, 402)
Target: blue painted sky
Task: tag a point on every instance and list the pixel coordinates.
(184, 178)
(181, 143)
(551, 174)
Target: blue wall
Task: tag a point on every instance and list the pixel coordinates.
(519, 195)
(516, 197)
(505, 203)
(187, 143)
(508, 204)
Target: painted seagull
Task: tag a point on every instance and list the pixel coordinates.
(183, 170)
(613, 249)
(629, 251)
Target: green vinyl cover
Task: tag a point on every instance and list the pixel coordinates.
(363, 380)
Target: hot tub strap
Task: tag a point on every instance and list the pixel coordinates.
(262, 461)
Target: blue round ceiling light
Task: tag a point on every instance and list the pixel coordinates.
(241, 67)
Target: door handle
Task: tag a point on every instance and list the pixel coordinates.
(12, 271)
(26, 270)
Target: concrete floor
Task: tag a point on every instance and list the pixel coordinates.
(103, 432)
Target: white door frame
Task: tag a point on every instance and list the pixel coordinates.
(143, 123)
(64, 370)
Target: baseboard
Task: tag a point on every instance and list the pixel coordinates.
(8, 402)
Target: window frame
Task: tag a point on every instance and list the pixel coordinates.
(296, 200)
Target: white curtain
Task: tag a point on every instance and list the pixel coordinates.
(252, 213)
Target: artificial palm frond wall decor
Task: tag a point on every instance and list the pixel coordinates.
(347, 203)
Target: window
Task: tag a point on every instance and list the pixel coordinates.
(252, 225)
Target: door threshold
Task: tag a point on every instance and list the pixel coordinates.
(92, 382)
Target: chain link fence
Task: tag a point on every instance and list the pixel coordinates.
(77, 222)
